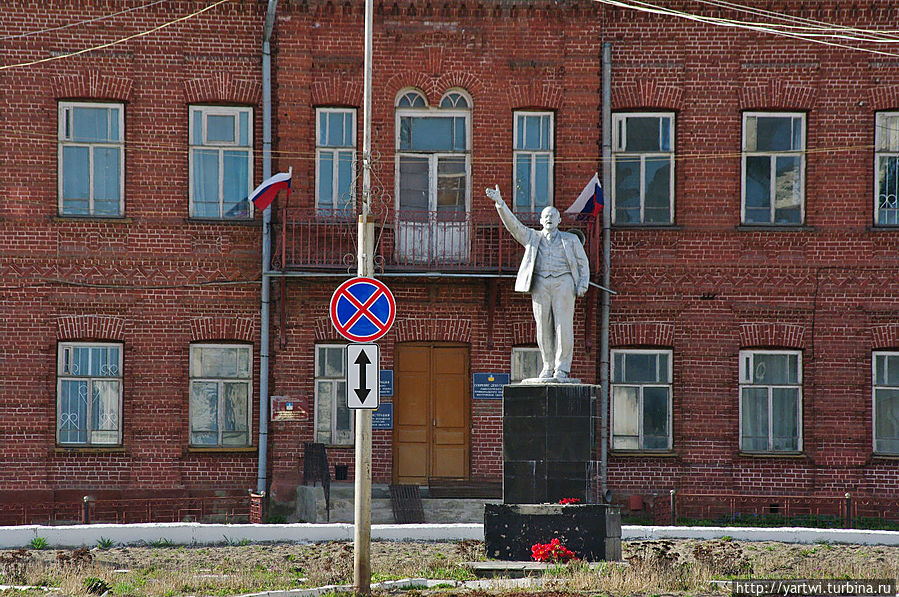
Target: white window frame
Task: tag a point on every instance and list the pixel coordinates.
(337, 151)
(533, 154)
(619, 150)
(221, 395)
(220, 147)
(885, 147)
(668, 384)
(514, 369)
(433, 156)
(65, 372)
(64, 139)
(746, 365)
(874, 387)
(332, 433)
(773, 155)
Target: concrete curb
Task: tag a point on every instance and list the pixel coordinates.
(193, 533)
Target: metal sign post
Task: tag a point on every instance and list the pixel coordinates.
(366, 261)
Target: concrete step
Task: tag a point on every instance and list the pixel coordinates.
(311, 506)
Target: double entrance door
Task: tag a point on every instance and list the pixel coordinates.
(432, 420)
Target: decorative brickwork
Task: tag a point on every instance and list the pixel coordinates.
(222, 328)
(222, 87)
(771, 335)
(437, 330)
(92, 85)
(641, 334)
(645, 94)
(90, 327)
(885, 336)
(777, 94)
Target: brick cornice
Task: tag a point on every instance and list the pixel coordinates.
(222, 87)
(641, 333)
(90, 327)
(772, 335)
(92, 85)
(222, 328)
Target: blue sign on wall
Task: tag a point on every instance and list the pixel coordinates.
(383, 417)
(386, 382)
(489, 386)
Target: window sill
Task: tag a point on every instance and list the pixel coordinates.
(104, 219)
(775, 228)
(644, 453)
(793, 455)
(339, 446)
(229, 221)
(889, 457)
(883, 228)
(89, 449)
(222, 450)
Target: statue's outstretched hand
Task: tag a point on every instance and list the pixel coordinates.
(495, 195)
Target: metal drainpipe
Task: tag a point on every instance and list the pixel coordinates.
(266, 246)
(606, 276)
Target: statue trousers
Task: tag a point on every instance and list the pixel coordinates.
(553, 301)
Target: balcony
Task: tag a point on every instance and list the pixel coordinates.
(310, 240)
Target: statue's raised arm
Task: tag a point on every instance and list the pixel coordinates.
(519, 231)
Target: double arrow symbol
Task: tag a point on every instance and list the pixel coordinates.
(363, 391)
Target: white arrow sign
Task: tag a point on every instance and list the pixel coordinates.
(362, 383)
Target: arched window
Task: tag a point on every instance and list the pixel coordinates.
(433, 166)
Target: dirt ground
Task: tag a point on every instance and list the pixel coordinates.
(678, 567)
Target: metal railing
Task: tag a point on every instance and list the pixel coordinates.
(411, 241)
(232, 509)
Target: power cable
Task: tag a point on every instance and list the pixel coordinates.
(114, 42)
(84, 22)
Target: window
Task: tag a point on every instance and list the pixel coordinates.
(643, 168)
(770, 401)
(334, 153)
(886, 174)
(220, 392)
(432, 155)
(91, 159)
(526, 363)
(886, 402)
(89, 394)
(221, 158)
(333, 420)
(533, 157)
(641, 400)
(773, 168)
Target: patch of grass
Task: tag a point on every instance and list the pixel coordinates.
(162, 542)
(105, 543)
(39, 543)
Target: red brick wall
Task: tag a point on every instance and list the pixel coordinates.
(705, 287)
(151, 279)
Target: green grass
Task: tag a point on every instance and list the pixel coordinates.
(39, 543)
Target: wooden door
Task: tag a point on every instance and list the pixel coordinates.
(431, 425)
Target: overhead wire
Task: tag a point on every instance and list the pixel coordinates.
(646, 7)
(116, 41)
(79, 23)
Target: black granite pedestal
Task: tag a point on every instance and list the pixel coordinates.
(548, 443)
(548, 440)
(591, 531)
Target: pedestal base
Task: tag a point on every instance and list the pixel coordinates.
(591, 531)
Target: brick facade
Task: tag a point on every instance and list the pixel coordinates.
(705, 287)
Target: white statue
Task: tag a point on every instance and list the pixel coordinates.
(555, 270)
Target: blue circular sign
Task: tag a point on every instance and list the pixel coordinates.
(362, 309)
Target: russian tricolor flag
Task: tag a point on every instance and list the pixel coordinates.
(263, 195)
(590, 201)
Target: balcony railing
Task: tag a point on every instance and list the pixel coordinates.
(311, 240)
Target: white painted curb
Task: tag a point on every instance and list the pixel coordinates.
(194, 533)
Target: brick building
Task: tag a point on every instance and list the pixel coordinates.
(753, 211)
